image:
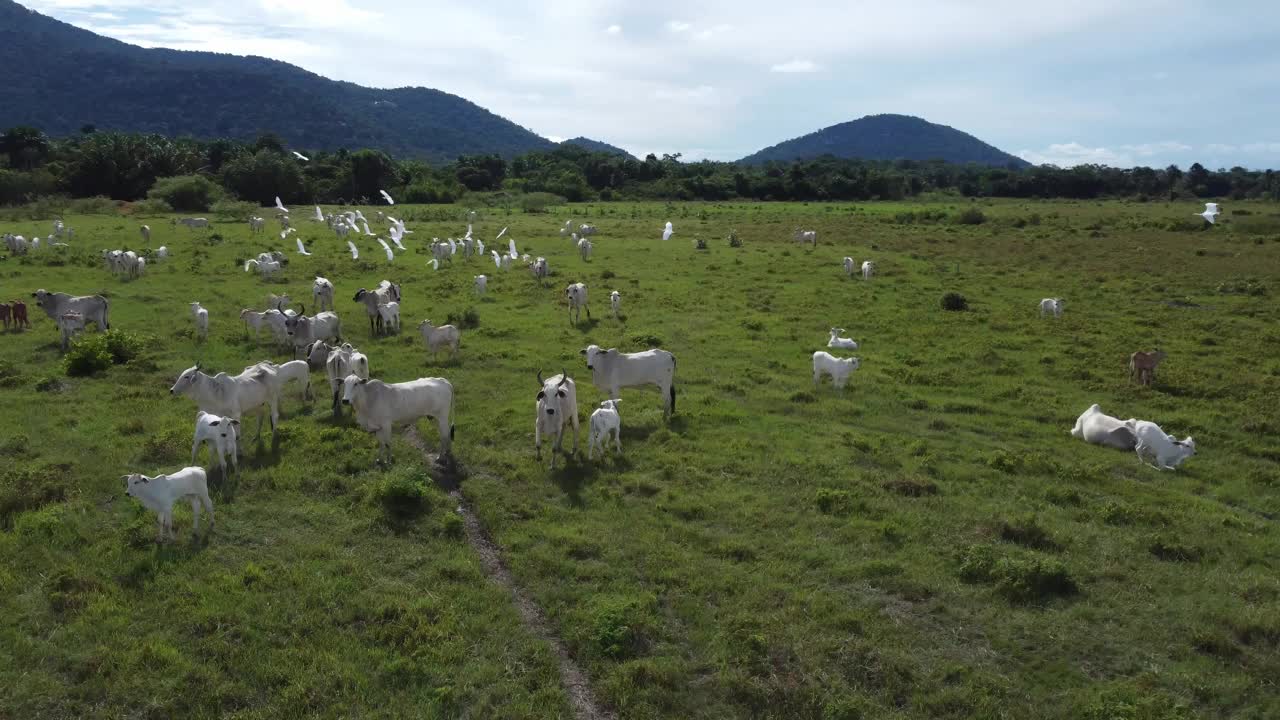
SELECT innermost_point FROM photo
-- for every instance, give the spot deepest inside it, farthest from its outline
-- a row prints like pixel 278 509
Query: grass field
pixel 929 542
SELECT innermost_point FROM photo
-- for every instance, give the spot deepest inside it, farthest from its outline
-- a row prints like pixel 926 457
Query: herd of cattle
pixel 222 400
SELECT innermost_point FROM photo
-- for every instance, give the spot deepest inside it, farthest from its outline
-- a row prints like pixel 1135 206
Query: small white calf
pixel 848 267
pixel 838 368
pixel 322 294
pixel 265 268
pixel 615 301
pixel 584 248
pixel 222 434
pixel 540 269
pixel 842 343
pixel 162 253
pixel 69 324
pixel 482 283
pixel 1094 426
pixel 1168 451
pixel 390 314
pixel 605 420
pixel 159 493
pixel 201 316
pixel 868 269
pixel 806 236
pixel 1051 306
pixel 379 407
pixel 146 234
pixel 577 296
pixel 438 338
pixel 317 353
pixel 555 407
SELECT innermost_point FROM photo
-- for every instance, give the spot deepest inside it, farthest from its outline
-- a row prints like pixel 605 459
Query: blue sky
pixel 1119 82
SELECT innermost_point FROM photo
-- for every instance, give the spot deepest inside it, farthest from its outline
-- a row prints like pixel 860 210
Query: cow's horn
pixel 539 377
pixel 564 377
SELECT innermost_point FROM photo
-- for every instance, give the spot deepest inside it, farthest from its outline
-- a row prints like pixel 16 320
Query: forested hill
pixel 889 137
pixel 598 146
pixel 60 78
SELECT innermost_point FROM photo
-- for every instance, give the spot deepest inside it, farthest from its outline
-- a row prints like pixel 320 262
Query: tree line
pixel 190 175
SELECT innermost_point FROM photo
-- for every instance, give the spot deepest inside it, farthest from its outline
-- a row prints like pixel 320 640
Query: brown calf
pixel 19 310
pixel 5 312
pixel 1142 366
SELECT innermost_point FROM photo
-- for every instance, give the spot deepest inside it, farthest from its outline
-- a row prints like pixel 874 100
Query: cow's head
pixel 359 294
pixel 135 484
pixel 552 393
pixel 592 351
pixel 41 296
pixel 350 387
pixel 185 380
pixel 291 322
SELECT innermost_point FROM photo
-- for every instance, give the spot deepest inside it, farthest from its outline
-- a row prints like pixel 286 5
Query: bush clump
pixel 402 496
pixel 465 320
pixel 833 502
pixel 151 207
pixel 970 216
pixel 1017 579
pixel 93 353
pixel 538 202
pixel 233 209
pixel 186 193
pixel 954 302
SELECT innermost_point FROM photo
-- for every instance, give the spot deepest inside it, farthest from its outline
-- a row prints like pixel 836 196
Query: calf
pixel 19 310
pixel 848 267
pixel 555 407
pixel 6 313
pixel 604 420
pixel 340 363
pixel 1142 366
pixel 1051 306
pixel 379 407
pixel 390 314
pixel 69 324
pixel 438 338
pixel 222 435
pixel 868 269
pixel 1167 451
pixel 317 353
pixel 322 294
pixel 615 301
pixel 482 283
pixel 201 317
pixel 842 343
pixel 540 269
pixel 577 295
pixel 584 249
pixel 838 368
pixel 159 493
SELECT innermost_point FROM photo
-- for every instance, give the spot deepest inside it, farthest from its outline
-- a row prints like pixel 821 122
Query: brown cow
pixel 19 310
pixel 5 314
pixel 1142 366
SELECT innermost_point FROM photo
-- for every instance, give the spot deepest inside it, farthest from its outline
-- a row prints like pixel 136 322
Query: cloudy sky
pixel 1120 82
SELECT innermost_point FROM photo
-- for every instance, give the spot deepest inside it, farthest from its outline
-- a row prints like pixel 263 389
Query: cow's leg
pixel 194 447
pixel 442 422
pixel 537 438
pixel 617 438
pixel 195 515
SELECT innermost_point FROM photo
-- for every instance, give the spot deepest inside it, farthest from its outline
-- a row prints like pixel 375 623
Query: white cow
pixel 615 300
pixel 69 324
pixel 806 236
pixel 1096 427
pixel 604 420
pixel 839 369
pixel 1051 306
pixel 438 338
pixel 222 394
pixel 145 230
pixel 379 407
pixel 611 371
pixel 842 343
pixel 92 307
pixel 540 268
pixel 222 435
pixel 868 269
pixel 162 253
pixel 390 314
pixel 1168 451
pixel 340 363
pixel 482 283
pixel 293 371
pixel 848 267
pixel 257 225
pixel 159 493
pixel 201 317
pixel 266 268
pixel 193 223
pixel 322 294
pixel 584 248
pixel 555 407
pixel 587 230
pixel 577 296
pixel 305 330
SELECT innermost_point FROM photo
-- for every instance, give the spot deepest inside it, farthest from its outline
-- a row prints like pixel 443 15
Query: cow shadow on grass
pixel 585 326
pixel 573 473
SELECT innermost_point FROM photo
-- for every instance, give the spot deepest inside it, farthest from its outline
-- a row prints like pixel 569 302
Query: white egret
pixel 667 232
pixel 301 157
pixel 319 215
pixel 511 247
pixel 355 253
pixel 302 250
pixel 387 197
pixel 504 232
pixel 390 253
pixel 1210 213
pixel 434 263
pixel 453 247
pixel 280 206
pixel 367 231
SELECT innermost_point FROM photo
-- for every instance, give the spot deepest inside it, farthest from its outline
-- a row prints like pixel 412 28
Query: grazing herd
pixel 223 400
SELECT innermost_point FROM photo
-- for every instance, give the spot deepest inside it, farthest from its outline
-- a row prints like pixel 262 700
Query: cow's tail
pixel 452 417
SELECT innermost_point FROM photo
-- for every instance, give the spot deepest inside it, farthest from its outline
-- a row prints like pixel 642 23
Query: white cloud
pixel 556 138
pixel 613 29
pixel 1073 153
pixel 795 66
pixel 677 26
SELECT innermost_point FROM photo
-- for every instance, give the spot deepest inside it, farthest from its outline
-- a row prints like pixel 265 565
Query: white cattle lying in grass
pixel 92 307
pixel 1051 306
pixel 439 338
pixel 201 317
pixel 379 407
pixel 1095 427
pixel 69 325
pixel 222 394
pixel 555 407
pixel 322 294
pixel 604 420
pixel 839 369
pixel 193 223
pixel 340 363
pixel 222 435
pixel 577 297
pixel 842 343
pixel 1168 451
pixel 159 493
pixel 611 371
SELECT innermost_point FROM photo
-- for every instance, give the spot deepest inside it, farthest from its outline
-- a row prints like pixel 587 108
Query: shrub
pixel 151 207
pixel 970 216
pixel 833 502
pixel 700 244
pixel 1172 551
pixel 49 383
pixel 402 496
pixel 1033 579
pixel 233 209
pixel 10 376
pixel 538 202
pixel 123 346
pixel 30 489
pixel 911 487
pixel 97 205
pixel 88 356
pixel 465 320
pixel 186 193
pixel 1026 531
pixel 954 302
pixel 734 240
pixel 617 627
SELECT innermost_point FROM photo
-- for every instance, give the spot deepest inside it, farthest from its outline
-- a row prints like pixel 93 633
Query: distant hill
pixel 59 78
pixel 889 137
pixel 597 146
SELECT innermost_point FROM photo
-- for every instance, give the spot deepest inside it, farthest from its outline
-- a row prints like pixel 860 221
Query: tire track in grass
pixel 572 678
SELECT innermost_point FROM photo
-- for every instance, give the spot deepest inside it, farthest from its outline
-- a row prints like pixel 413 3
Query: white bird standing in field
pixel 387 197
pixel 301 157
pixel 367 231
pixel 391 255
pixel 1210 212
pixel 280 206
pixel 319 215
pixel 355 252
pixel 434 263
pixel 511 248
pixel 453 247
pixel 667 232
pixel 302 250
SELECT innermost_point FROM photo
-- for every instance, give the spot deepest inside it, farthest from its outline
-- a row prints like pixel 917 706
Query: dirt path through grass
pixel 572 678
